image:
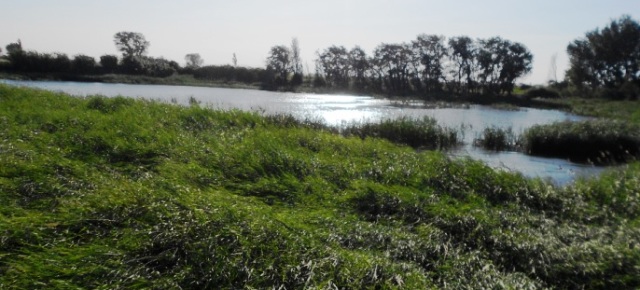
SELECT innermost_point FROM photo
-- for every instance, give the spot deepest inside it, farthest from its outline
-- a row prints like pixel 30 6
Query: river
pixel 338 110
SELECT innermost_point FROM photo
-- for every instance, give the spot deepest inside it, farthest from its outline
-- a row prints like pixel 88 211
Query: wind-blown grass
pixel 593 141
pixel 113 193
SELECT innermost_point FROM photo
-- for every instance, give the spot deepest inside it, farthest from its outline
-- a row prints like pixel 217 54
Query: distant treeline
pixel 604 63
pixel 428 65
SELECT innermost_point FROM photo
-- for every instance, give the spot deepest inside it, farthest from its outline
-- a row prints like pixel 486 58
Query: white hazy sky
pixel 217 29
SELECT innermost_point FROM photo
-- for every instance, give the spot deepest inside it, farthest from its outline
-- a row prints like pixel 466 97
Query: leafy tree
pixel 14 47
pixel 335 64
pixel 429 52
pixel 193 60
pixel 131 43
pixel 391 64
pixel 109 63
pixel 500 63
pixel 607 58
pixel 83 64
pixel 279 62
pixel 358 67
pixel 462 54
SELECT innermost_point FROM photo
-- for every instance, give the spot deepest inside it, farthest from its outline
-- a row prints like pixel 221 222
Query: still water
pixel 338 110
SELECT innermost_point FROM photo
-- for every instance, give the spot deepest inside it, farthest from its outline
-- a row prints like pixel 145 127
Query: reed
pixel 497 139
pixel 417 133
pixel 593 141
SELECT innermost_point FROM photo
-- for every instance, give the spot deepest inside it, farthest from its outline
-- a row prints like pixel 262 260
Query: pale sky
pixel 217 29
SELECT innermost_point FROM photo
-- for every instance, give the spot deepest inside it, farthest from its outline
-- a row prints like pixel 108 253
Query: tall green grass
pixel 593 141
pixel 417 133
pixel 114 193
pixel 497 139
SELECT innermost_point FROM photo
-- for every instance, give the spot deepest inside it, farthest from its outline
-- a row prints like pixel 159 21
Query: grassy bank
pixel 119 193
pixel 626 110
pixel 175 79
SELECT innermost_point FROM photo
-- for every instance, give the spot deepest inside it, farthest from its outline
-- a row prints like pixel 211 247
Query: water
pixel 338 110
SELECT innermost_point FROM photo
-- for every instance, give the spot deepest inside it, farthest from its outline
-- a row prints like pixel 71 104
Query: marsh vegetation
pixel 123 193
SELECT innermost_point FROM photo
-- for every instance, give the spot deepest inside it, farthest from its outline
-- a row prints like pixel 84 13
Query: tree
pixel 462 54
pixel 334 62
pixel 391 64
pixel 358 67
pixel 131 43
pixel 296 63
pixel 607 58
pixel 14 47
pixel 109 63
pixel 279 62
pixel 500 63
pixel 429 52
pixel 193 60
pixel 83 64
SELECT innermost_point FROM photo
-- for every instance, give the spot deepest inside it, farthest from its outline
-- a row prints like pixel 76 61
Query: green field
pixel 116 193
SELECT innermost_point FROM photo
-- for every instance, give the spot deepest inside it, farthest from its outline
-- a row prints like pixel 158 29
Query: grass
pixel 497 139
pixel 594 141
pixel 417 133
pixel 115 193
pixel 625 110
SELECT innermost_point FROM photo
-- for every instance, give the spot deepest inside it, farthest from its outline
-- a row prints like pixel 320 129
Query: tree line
pixel 430 64
pixel 133 61
pixel 606 62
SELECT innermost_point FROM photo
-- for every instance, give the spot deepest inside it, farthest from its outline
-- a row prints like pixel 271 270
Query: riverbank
pixel 123 193
pixel 173 80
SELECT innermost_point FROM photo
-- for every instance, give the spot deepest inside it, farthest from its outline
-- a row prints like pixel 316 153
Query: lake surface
pixel 339 110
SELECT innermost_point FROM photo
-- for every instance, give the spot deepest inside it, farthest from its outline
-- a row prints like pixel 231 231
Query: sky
pixel 249 28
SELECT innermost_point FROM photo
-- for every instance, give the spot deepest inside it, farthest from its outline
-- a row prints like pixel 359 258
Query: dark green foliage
pixel 109 63
pixel 229 73
pixel 594 141
pixel 83 64
pixel 34 62
pixel 116 193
